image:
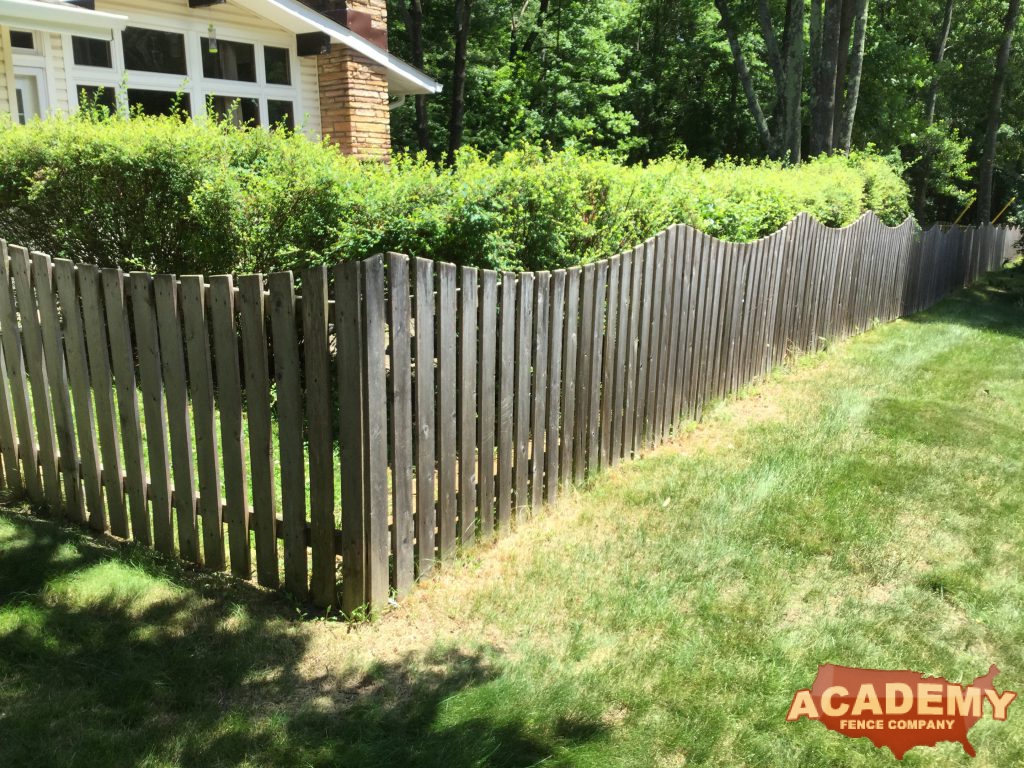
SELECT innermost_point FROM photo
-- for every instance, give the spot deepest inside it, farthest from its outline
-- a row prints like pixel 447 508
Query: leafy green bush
pixel 161 195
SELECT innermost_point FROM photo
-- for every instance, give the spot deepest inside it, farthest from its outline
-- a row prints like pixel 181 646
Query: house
pixel 321 66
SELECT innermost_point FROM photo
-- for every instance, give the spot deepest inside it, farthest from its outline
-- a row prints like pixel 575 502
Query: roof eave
pixel 403 78
pixel 60 18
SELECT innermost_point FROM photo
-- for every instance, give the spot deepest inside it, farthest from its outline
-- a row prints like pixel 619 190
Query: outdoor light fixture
pixel 211 41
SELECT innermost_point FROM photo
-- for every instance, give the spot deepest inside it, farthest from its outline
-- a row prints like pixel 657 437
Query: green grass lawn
pixel 864 507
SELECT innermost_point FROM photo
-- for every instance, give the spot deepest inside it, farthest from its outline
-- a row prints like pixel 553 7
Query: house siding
pixel 57 75
pixel 6 73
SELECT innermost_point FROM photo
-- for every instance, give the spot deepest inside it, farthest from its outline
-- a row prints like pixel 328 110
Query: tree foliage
pixel 649 78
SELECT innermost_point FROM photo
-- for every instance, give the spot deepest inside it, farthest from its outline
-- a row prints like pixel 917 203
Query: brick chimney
pixel 354 110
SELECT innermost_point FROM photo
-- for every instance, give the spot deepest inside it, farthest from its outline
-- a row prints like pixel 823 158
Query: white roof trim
pixel 403 78
pixel 58 17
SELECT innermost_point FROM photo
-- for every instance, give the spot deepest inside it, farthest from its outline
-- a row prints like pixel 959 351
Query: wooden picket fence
pixel 344 440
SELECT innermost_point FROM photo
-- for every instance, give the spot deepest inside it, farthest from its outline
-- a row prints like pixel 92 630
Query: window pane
pixel 280 112
pixel 231 61
pixel 159 102
pixel 278 61
pixel 25 40
pixel 149 50
pixel 236 110
pixel 89 95
pixel 90 52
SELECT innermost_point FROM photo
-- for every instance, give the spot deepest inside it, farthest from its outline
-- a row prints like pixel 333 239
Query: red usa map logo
pixel 899 709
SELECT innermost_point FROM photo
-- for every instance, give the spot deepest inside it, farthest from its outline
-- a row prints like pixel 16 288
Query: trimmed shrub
pixel 162 195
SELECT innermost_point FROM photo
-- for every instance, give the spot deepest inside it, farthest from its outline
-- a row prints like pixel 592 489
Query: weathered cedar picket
pixel 444 402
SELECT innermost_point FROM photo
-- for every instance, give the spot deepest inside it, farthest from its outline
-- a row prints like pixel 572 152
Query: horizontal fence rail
pixel 339 431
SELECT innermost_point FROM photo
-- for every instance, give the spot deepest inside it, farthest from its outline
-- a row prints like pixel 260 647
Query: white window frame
pixel 194 84
pixel 36 48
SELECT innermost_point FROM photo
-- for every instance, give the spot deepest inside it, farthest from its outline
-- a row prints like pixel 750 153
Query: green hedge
pixel 156 194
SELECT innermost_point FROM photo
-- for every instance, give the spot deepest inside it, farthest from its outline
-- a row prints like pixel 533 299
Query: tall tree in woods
pixel 780 130
pixel 823 95
pixel 849 72
pixel 986 168
pixel 412 14
pixel 930 103
pixel 455 124
pixel 838 37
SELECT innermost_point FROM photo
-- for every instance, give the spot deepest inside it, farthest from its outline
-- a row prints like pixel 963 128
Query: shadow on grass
pixel 995 303
pixel 110 655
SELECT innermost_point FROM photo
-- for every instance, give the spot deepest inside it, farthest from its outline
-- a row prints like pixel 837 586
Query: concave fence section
pixel 338 432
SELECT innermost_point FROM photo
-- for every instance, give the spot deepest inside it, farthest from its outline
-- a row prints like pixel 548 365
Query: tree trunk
pixel 771 45
pixel 793 55
pixel 462 12
pixel 937 59
pixel 847 18
pixel 988 160
pixel 414 27
pixel 921 197
pixel 763 131
pixel 815 52
pixel 849 114
pixel 824 103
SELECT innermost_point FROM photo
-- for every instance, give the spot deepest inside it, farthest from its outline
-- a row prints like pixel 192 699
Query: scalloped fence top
pixel 341 442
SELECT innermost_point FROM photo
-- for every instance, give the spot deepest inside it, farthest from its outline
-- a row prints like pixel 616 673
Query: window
pixel 28 87
pixel 159 102
pixel 229 61
pixel 150 50
pixel 90 52
pixel 278 64
pixel 89 95
pixel 280 113
pixel 181 68
pixel 235 110
pixel 24 40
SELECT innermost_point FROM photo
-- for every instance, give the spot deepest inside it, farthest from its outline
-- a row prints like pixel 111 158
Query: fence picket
pixel 229 406
pixel 570 349
pixel 351 404
pixel 524 358
pixel 487 351
pixel 252 325
pixel 556 327
pixel 172 358
pixel 597 341
pixel 403 523
pixel 153 405
pixel 123 363
pixel 506 401
pixel 584 370
pixel 32 346
pixel 625 273
pixel 56 373
pixel 375 436
pixel 317 395
pixel 538 436
pixel 200 376
pixel 446 411
pixel 608 357
pixel 403 526
pixel 426 504
pixel 466 421
pixel 289 430
pixel 14 367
